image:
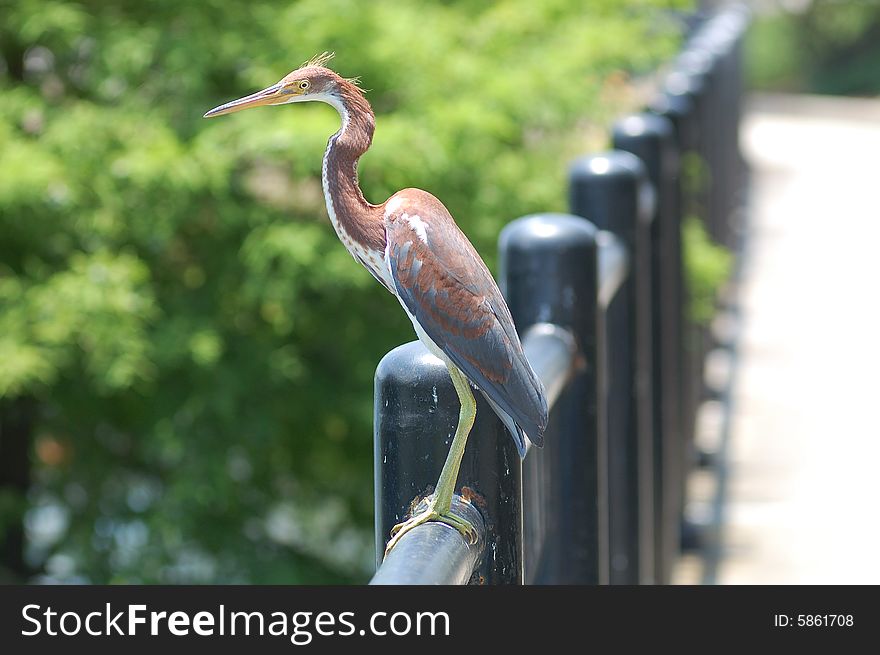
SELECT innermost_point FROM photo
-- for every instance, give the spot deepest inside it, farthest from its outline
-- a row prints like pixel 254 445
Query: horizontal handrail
pixel 613 266
pixel 435 553
pixel 550 350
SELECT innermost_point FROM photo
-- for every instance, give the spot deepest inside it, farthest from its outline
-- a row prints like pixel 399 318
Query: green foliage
pixel 707 264
pixel 95 308
pixel 824 46
pixel 200 345
pixel 708 267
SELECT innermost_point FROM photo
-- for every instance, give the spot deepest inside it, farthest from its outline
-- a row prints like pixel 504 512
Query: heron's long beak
pixel 264 97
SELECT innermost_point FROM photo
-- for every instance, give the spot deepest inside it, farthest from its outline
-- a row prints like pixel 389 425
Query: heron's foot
pixel 432 514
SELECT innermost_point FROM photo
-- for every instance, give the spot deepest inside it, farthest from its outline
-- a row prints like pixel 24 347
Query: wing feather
pixel 446 287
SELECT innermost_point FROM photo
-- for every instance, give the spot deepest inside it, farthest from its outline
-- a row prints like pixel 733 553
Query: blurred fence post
pixel 612 191
pixel 698 69
pixel 549 273
pixel 680 102
pixel 719 43
pixel 651 139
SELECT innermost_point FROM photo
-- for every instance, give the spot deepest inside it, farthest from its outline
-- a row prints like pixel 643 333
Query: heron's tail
pixel 516 430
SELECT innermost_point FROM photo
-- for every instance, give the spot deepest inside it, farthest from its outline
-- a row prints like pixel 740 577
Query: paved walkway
pixel 804 451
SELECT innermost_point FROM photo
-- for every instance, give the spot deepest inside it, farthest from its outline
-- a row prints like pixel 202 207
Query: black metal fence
pixel 600 298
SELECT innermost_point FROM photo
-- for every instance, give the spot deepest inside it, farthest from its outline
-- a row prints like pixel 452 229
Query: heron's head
pixel 311 81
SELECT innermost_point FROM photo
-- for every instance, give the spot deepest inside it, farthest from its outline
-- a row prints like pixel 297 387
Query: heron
pixel 411 244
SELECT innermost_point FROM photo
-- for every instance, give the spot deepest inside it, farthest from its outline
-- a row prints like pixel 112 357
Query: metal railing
pixel 600 298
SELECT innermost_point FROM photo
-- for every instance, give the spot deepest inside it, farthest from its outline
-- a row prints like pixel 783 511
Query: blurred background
pixel 186 351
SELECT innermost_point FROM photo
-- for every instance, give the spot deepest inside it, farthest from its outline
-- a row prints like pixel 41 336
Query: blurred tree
pixel 196 346
pixel 817 46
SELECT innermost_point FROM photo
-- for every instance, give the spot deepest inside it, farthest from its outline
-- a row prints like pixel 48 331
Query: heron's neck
pixel 353 217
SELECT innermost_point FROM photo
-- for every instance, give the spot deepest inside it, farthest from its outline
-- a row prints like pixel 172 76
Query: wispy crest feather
pixel 320 60
pixel 323 59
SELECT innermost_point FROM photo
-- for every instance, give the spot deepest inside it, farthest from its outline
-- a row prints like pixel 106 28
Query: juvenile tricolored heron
pixel 412 246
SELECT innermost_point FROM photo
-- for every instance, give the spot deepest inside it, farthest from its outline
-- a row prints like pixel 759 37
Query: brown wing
pixel 443 283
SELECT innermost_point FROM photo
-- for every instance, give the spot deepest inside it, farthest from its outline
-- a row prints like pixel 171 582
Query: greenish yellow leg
pixel 441 501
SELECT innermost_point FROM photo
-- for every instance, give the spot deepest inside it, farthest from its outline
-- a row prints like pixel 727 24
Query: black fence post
pixel 676 104
pixel 549 273
pixel 651 138
pixel 738 19
pixel 612 191
pixel 720 41
pixel 416 411
pixel 682 102
pixel 699 67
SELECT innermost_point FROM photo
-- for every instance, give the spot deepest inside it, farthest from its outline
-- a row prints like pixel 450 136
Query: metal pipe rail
pixel 435 553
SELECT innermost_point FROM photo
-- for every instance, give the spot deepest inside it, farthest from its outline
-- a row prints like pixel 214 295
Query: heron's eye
pixel 304 85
